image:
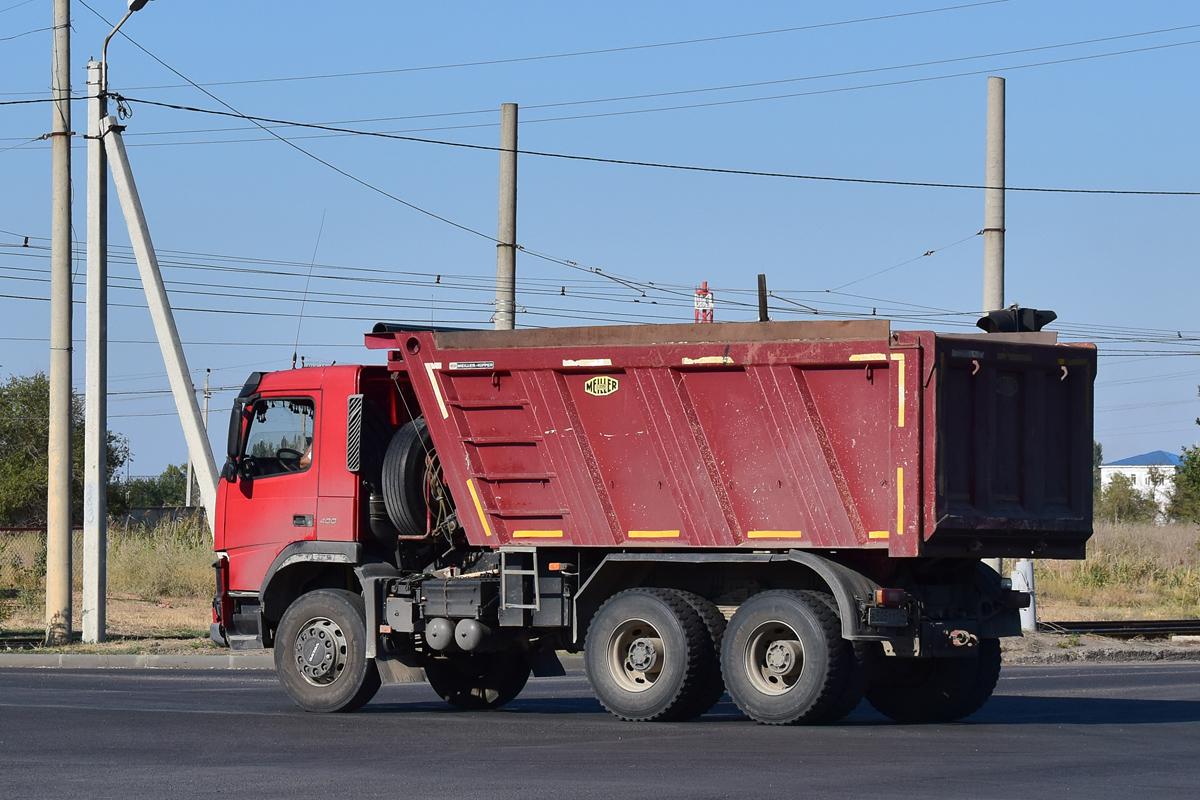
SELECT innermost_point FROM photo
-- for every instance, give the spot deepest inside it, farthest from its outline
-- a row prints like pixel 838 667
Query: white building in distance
pixel 1140 468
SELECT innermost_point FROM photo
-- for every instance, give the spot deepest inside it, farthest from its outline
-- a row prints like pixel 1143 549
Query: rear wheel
pixel 320 652
pixel 646 654
pixel 859 655
pixel 935 689
pixel 783 658
pixel 714 623
pixel 478 681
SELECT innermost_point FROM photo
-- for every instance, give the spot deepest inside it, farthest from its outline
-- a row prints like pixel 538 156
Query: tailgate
pixel 1013 448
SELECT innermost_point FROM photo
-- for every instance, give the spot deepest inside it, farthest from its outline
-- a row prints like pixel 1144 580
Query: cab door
pixel 274 501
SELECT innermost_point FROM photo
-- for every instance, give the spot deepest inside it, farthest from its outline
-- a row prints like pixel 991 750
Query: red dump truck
pixel 791 512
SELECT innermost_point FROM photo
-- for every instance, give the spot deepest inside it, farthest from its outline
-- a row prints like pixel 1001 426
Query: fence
pixel 23 567
pixel 148 540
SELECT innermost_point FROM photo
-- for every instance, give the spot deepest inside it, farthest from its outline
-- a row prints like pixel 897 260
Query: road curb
pixel 101 661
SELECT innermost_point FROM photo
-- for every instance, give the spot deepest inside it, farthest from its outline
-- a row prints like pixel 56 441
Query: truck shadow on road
pixel 998 711
pixel 1004 710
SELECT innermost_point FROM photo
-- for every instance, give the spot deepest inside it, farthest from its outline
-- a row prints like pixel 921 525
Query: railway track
pixel 1126 628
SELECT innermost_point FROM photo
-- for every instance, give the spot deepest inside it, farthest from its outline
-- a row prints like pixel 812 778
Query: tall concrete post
pixel 993 200
pixel 164 321
pixel 506 248
pixel 58 479
pixel 1022 580
pixel 187 494
pixel 993 214
pixel 95 456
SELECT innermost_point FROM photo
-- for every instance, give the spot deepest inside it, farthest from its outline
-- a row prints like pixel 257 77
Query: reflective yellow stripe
pixel 708 360
pixel 868 357
pixel 899 359
pixel 654 534
pixel 879 534
pixel 437 390
pixel 537 534
pixel 773 534
pixel 487 529
pixel 899 501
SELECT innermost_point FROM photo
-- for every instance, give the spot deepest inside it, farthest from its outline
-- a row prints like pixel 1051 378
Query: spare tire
pixel 404 468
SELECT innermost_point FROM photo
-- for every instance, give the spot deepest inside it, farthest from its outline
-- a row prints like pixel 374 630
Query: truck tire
pixel 917 690
pixel 861 657
pixel 478 681
pixel 404 478
pixel 784 658
pixel 320 652
pixel 714 623
pixel 645 656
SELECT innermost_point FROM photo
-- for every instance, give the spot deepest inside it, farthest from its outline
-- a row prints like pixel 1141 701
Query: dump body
pixel 485 499
pixel 829 435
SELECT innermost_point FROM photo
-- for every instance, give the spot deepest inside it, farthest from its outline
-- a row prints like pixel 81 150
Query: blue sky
pixel 235 212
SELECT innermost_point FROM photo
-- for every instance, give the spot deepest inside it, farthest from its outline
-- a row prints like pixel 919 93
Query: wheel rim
pixel 320 651
pixel 635 655
pixel 774 658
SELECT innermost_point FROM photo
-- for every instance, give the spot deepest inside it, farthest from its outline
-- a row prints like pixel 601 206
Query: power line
pixel 623 98
pixel 575 54
pixel 26 33
pixel 867 71
pixel 293 144
pixel 649 164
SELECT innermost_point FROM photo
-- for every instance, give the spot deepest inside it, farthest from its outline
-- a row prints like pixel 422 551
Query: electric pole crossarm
pixel 164 321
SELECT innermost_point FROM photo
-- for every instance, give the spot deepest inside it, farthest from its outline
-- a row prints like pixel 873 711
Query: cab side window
pixel 280 437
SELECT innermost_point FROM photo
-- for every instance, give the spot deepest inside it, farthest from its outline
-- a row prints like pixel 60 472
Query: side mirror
pixel 233 443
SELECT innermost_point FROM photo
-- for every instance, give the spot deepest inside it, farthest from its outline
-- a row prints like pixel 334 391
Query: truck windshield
pixel 280 438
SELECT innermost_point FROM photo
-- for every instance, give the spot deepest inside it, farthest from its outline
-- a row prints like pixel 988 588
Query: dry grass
pixel 133 625
pixel 170 560
pixel 160 581
pixel 1132 572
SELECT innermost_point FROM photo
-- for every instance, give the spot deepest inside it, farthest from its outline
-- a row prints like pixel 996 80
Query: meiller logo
pixel 600 385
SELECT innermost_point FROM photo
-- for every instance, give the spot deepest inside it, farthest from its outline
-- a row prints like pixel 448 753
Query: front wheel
pixel 320 652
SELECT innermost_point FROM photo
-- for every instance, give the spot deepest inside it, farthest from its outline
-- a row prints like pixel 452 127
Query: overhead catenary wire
pixel 580 53
pixel 652 164
pixel 674 296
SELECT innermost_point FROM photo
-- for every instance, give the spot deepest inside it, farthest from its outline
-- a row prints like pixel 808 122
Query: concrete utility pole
pixel 187 499
pixel 993 216
pixel 1022 581
pixel 58 479
pixel 993 200
pixel 506 248
pixel 182 388
pixel 95 457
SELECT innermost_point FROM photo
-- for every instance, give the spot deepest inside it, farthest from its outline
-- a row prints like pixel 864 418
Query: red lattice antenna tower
pixel 704 303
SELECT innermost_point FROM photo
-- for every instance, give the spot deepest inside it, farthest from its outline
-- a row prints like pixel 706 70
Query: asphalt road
pixel 1089 731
